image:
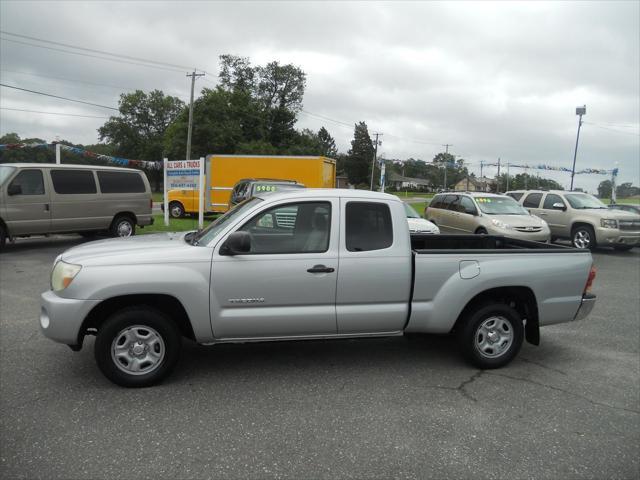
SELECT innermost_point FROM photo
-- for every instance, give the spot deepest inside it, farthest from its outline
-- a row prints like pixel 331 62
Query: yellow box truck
pixel 224 171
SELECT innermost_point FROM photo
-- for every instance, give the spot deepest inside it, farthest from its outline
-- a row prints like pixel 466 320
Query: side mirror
pixel 14 189
pixel 559 206
pixel 470 211
pixel 236 244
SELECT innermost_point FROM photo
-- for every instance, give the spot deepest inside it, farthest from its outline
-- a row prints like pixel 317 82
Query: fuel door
pixel 469 269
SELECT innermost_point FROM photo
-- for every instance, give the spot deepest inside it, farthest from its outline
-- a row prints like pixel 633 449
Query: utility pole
pixel 484 189
pixel 375 157
pixel 193 76
pixel 579 111
pixel 446 150
pixel 498 178
pixel 507 177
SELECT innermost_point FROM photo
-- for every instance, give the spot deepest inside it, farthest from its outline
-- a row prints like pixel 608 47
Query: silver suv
pixel 582 218
pixel 482 213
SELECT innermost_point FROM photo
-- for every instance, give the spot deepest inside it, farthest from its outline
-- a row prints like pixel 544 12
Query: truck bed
pixel 425 243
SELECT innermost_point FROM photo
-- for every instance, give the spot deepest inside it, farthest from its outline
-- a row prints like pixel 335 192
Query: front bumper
pixel 542 236
pixel 587 304
pixel 614 236
pixel 61 318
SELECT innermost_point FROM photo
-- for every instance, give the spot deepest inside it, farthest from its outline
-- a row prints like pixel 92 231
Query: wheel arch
pixel 125 213
pixel 521 298
pixel 165 303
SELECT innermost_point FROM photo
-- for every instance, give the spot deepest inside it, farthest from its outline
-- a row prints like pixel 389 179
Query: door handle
pixel 46 207
pixel 320 269
pixel 542 213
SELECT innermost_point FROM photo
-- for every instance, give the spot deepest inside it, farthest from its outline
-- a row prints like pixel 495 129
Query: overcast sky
pixel 493 79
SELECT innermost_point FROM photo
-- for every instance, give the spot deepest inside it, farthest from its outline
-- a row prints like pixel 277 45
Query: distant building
pixel 472 184
pixel 342 182
pixel 407 183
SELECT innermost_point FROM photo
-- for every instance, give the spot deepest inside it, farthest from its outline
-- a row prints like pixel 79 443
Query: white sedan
pixel 417 224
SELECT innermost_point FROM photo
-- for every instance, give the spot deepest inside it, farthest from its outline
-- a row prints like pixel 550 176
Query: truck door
pixel 374 280
pixel 286 285
pixel 28 206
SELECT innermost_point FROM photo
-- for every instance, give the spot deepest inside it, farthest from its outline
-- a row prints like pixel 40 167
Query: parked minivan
pixel 42 198
pixel 485 213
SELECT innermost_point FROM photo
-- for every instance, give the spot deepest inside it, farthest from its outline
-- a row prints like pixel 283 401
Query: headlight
pixel 500 224
pixel 63 274
pixel 608 223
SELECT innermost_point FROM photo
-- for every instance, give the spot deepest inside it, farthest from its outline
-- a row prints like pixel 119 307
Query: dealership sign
pixel 184 175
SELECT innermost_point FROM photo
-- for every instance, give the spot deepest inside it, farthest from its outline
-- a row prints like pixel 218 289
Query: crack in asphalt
pixel 462 387
pixel 558 389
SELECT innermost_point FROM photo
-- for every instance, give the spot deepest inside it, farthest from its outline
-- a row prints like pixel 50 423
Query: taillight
pixel 590 279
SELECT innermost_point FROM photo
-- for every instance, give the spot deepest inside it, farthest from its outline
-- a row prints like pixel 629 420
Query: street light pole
pixel 579 111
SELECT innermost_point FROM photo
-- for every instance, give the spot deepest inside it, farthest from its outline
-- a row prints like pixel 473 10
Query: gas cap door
pixel 469 269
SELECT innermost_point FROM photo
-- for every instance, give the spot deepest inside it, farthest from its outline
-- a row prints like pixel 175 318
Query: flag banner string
pixel 598 171
pixel 125 162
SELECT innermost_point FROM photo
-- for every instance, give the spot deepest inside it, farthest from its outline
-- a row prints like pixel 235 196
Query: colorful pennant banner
pixel 86 153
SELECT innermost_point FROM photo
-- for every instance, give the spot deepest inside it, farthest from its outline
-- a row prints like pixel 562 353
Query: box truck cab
pixel 223 172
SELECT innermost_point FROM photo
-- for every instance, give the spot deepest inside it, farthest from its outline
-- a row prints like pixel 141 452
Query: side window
pixel 30 182
pixel 291 228
pixel 454 205
pixel 550 200
pixel 532 200
pixel 368 226
pixel 467 206
pixel 448 200
pixel 515 195
pixel 69 182
pixel 436 201
pixel 120 182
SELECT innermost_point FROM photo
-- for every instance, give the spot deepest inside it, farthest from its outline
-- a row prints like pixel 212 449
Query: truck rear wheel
pixel 137 347
pixel 176 209
pixel 491 335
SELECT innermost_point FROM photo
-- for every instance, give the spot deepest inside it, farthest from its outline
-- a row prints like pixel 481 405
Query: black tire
pixel 481 231
pixel 3 236
pixel 583 236
pixel 475 340
pixel 123 226
pixel 153 367
pixel 176 209
pixel 623 248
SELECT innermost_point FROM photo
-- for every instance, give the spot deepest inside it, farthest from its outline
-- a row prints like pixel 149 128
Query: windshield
pixel 409 210
pixel 209 233
pixel 581 201
pixel 5 172
pixel 500 206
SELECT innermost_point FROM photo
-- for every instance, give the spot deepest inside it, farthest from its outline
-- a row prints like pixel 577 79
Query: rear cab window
pixel 368 226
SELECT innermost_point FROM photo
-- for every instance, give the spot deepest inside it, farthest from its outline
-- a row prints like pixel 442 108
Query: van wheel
pixel 123 226
pixel 176 209
pixel 583 236
pixel 481 231
pixel 491 335
pixel 137 347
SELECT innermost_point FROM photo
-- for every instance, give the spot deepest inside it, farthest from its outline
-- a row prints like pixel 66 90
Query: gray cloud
pixel 494 79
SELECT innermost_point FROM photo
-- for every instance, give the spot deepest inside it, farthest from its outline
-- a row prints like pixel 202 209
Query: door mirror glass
pixel 559 206
pixel 14 189
pixel 237 244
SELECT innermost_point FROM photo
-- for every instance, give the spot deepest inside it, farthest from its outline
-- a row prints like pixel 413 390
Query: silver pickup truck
pixel 308 264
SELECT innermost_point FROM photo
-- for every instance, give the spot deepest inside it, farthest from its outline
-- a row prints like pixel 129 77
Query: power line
pixel 68 79
pixel 92 56
pixel 612 129
pixel 51 113
pixel 92 50
pixel 56 96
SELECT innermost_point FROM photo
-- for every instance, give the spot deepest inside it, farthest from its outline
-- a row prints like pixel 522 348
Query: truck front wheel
pixel 176 210
pixel 137 347
pixel 491 335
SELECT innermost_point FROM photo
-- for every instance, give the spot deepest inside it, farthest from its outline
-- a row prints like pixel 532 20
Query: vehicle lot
pixel 362 408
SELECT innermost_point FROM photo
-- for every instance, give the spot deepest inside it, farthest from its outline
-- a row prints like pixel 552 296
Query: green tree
pixel 327 143
pixel 627 190
pixel 358 162
pixel 138 131
pixel 604 189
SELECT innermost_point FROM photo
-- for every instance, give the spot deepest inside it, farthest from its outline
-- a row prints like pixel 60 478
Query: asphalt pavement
pixel 397 407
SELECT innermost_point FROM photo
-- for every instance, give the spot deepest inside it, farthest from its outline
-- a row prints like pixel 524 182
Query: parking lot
pixel 379 408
